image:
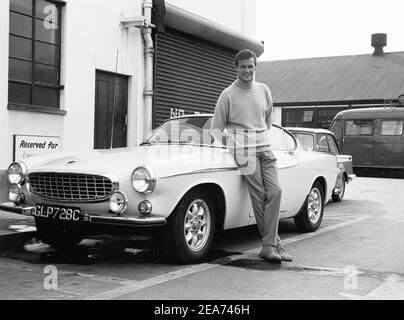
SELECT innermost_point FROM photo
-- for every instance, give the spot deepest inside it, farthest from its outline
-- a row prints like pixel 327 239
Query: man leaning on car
pixel 243 114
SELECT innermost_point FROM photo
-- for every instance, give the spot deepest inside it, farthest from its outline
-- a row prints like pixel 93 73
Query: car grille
pixel 70 187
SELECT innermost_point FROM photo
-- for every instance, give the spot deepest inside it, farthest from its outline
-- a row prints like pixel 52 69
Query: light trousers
pixel 260 171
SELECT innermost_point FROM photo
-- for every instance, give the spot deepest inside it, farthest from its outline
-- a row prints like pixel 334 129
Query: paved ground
pixel 356 254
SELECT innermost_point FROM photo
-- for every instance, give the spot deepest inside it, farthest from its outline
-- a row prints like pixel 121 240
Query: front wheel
pixel 190 231
pixel 310 218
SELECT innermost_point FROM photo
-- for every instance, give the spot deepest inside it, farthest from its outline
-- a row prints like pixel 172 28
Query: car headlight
pixel 144 180
pixel 15 194
pixel 17 172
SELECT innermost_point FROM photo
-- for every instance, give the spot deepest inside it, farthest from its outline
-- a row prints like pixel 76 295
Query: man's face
pixel 246 70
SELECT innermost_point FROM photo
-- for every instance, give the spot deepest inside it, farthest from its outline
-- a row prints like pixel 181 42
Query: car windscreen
pixel 192 130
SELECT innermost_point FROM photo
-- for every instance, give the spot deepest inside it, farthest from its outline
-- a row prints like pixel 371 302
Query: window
pixel 308 116
pixel 333 144
pixel 306 140
pixel 34 54
pixel 322 145
pixel 358 127
pixel 391 128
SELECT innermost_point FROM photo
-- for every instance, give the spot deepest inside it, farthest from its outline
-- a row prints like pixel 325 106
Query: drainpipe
pixel 149 55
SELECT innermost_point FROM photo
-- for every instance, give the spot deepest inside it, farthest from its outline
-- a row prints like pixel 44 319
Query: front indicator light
pixel 118 202
pixel 145 207
pixel 15 194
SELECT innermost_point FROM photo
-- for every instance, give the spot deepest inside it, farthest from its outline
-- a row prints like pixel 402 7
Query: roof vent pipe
pixel 379 40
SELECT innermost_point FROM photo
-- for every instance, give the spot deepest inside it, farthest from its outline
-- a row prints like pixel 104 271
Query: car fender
pixel 172 189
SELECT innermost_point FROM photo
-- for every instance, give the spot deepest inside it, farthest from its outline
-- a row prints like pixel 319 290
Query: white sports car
pixel 178 186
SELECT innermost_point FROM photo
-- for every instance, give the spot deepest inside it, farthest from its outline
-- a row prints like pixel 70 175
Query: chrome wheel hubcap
pixel 197 225
pixel 314 205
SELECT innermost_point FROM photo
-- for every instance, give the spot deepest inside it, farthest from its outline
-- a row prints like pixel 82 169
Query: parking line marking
pixel 133 287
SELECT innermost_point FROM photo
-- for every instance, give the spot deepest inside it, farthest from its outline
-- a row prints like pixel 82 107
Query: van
pixel 373 136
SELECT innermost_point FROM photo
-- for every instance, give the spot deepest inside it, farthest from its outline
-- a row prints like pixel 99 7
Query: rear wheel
pixel 338 196
pixel 58 235
pixel 310 218
pixel 189 234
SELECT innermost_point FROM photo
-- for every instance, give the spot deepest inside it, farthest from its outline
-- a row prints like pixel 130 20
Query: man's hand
pixel 219 135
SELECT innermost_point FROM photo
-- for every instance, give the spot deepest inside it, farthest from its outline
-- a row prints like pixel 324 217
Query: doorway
pixel 111 110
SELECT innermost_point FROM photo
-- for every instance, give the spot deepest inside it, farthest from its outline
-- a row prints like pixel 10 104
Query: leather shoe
pixel 269 253
pixel 284 255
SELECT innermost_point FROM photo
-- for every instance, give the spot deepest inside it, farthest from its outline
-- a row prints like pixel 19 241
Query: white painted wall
pixel 277 116
pixel 97 41
pixel 92 36
pixel 92 39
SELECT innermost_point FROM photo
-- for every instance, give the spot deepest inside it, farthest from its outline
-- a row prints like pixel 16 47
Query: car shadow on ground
pixel 120 251
pixel 90 252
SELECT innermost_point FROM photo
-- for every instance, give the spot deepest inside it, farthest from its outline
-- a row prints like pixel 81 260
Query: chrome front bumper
pixel 117 221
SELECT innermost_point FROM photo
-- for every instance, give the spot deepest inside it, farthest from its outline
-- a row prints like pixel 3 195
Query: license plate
pixel 58 213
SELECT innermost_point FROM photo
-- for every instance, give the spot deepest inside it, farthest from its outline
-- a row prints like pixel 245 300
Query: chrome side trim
pixel 199 172
pixel 129 222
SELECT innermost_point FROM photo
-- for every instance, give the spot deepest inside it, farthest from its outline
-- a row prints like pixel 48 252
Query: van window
pixel 358 127
pixel 391 128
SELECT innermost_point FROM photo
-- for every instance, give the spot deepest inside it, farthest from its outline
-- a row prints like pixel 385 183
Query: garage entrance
pixel 190 74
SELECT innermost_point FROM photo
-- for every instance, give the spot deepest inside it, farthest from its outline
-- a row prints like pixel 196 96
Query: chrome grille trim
pixel 70 187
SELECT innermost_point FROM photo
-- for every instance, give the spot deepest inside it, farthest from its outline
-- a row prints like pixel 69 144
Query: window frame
pixel 391 120
pixel 33 82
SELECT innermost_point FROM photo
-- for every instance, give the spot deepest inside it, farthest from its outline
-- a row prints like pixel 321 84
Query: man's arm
pixel 269 114
pixel 220 118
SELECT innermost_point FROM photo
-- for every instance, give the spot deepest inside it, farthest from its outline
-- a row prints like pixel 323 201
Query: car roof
pixel 371 113
pixel 308 130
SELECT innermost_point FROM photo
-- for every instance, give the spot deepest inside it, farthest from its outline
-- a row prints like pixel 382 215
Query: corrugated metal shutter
pixel 190 74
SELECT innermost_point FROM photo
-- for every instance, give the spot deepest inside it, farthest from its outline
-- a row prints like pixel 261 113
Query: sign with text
pixel 26 146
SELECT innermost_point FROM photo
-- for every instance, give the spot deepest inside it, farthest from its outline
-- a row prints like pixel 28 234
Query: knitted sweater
pixel 246 114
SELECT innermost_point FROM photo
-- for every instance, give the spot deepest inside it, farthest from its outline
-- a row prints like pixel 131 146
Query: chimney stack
pixel 379 40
